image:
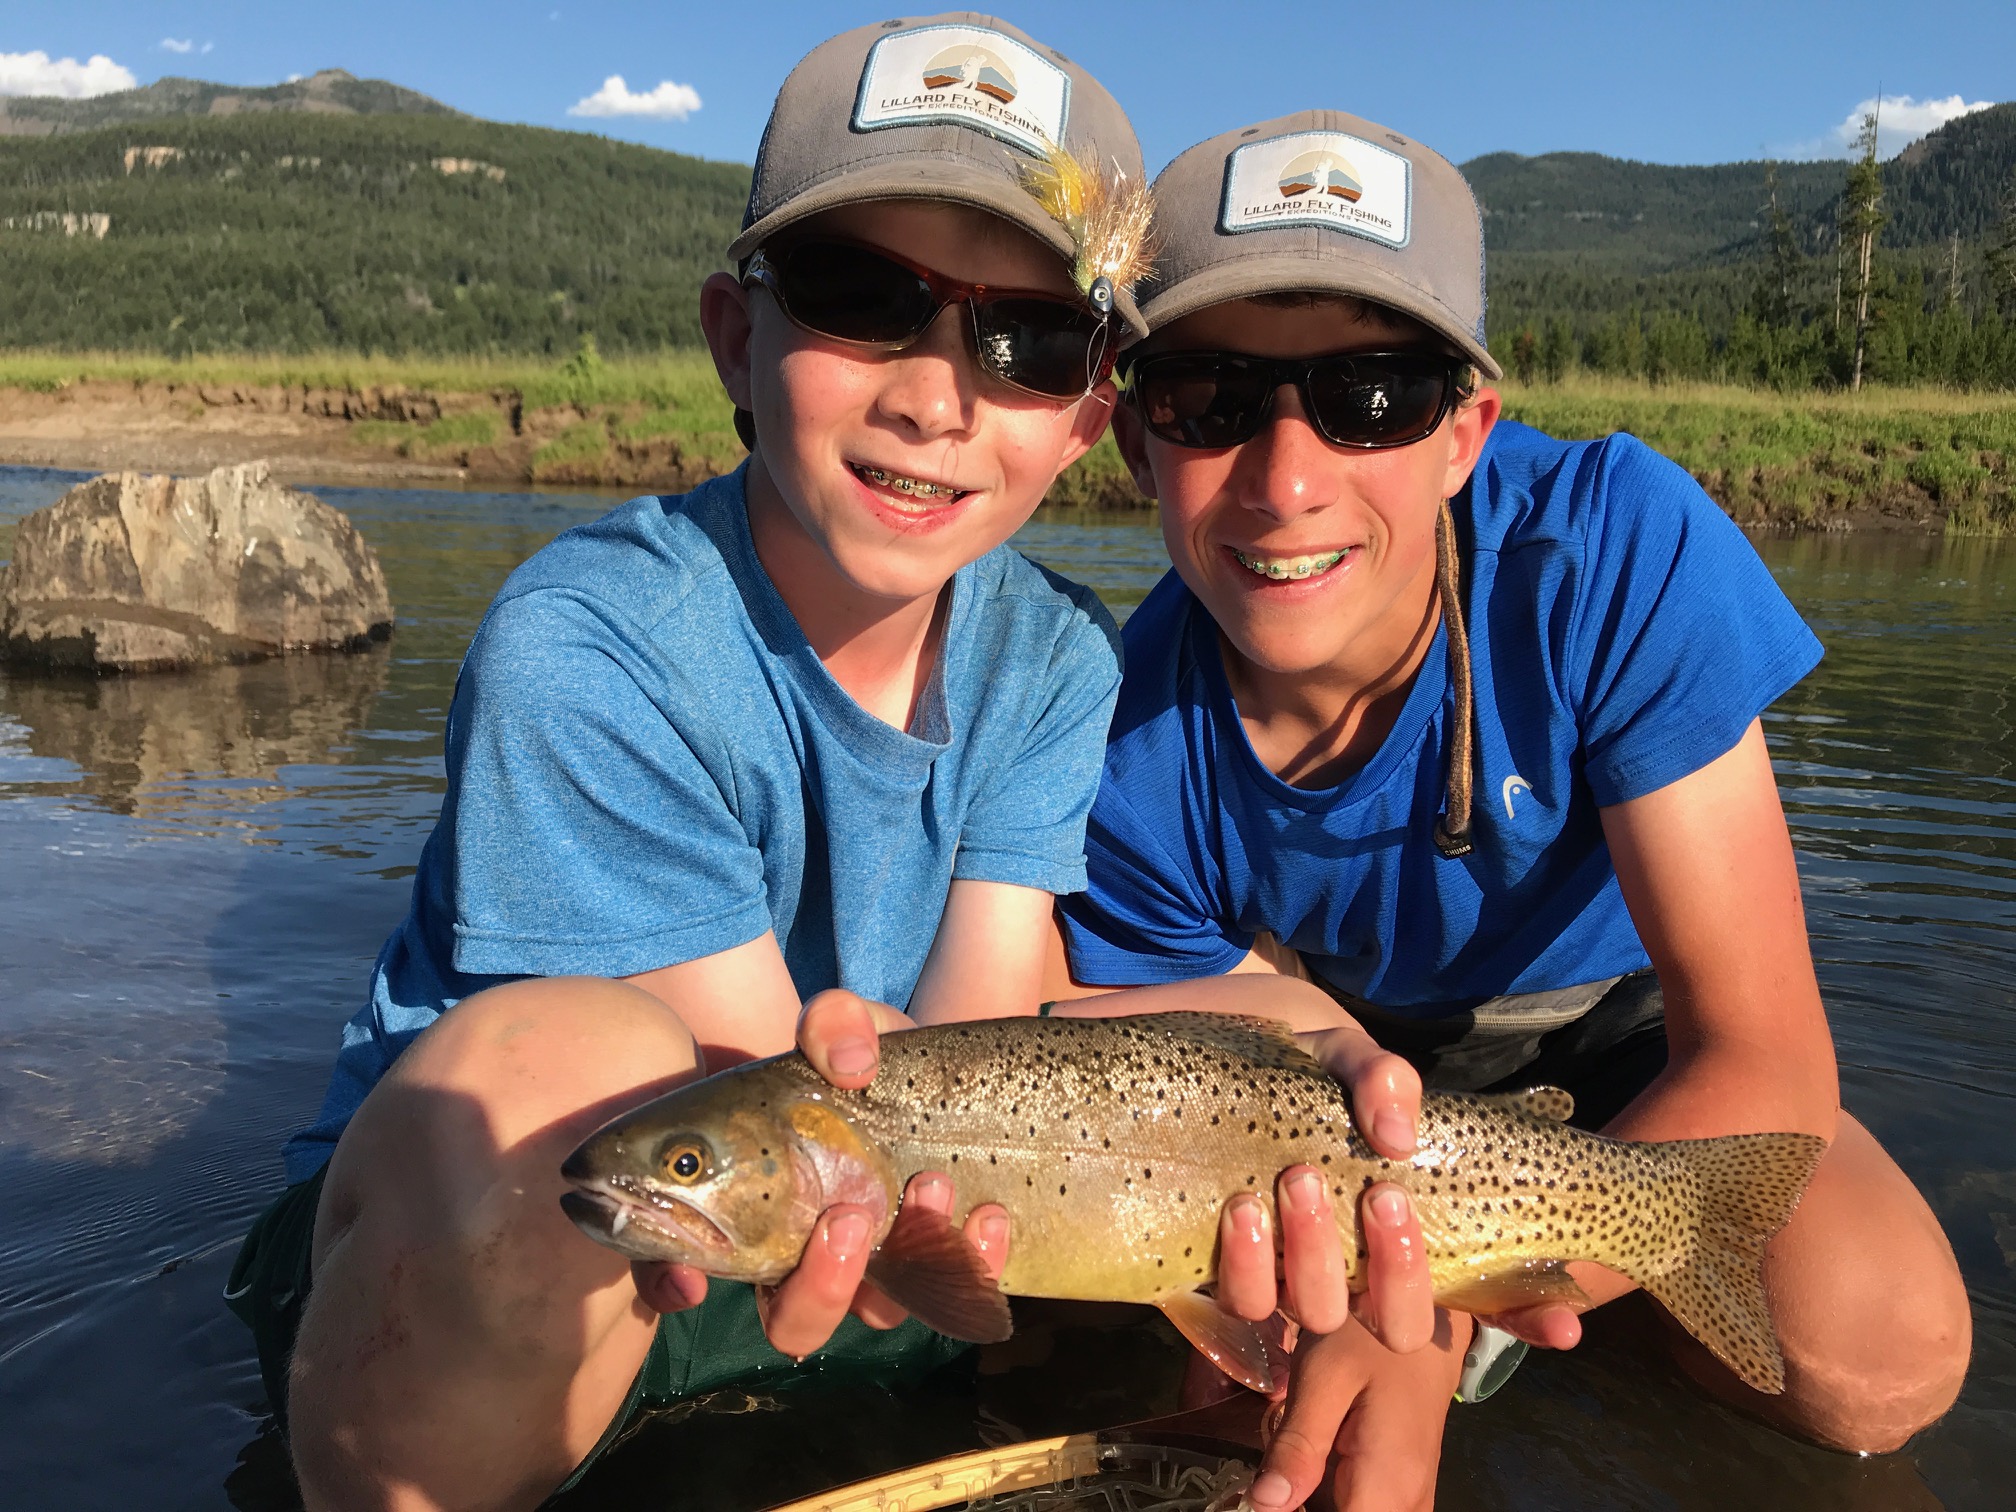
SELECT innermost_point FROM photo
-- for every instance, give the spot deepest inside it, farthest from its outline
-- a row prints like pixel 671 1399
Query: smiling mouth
pixel 908 492
pixel 1290 568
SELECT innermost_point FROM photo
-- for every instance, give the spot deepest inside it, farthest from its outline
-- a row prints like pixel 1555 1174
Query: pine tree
pixel 2002 254
pixel 1861 218
pixel 1783 266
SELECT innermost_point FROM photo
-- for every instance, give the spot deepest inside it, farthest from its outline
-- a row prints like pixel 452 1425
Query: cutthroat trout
pixel 1114 1143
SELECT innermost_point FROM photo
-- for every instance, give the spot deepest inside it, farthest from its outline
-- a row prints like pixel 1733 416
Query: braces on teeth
pixel 910 486
pixel 1298 567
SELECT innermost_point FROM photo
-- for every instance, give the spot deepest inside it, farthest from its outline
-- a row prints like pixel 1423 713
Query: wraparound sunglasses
pixel 1041 343
pixel 1366 400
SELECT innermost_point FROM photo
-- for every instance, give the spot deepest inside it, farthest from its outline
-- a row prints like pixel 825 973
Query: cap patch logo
pixel 974 67
pixel 967 75
pixel 1319 178
pixel 1321 173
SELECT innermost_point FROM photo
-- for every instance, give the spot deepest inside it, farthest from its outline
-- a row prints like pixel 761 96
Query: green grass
pixel 1768 457
pixel 672 380
pixel 1805 459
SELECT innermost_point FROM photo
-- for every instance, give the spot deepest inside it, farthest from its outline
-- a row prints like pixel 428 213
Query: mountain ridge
pixel 331 91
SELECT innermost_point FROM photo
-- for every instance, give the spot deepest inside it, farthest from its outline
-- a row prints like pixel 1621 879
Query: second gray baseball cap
pixel 952 107
pixel 1321 202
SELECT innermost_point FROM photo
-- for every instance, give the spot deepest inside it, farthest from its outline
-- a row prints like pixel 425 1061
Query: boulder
pixel 136 573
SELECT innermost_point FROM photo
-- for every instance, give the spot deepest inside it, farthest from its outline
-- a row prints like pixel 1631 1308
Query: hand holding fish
pixel 838 1033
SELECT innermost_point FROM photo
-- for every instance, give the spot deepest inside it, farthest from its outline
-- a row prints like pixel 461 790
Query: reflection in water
pixel 203 746
pixel 170 998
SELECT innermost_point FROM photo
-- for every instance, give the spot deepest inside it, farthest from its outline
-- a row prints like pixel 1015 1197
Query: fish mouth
pixel 642 1222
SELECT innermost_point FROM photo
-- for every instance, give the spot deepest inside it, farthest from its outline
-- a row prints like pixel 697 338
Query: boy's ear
pixel 1467 435
pixel 1088 422
pixel 726 324
pixel 1132 439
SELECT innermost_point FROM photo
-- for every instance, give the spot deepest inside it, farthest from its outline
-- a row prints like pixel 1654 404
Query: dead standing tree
pixel 1861 218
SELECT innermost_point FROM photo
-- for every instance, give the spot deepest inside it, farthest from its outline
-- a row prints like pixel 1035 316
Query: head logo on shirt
pixel 1514 784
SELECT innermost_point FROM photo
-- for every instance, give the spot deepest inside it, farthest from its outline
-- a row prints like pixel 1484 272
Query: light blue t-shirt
pixel 1623 634
pixel 647 763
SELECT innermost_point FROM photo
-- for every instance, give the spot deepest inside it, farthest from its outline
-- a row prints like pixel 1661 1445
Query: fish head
pixel 728 1175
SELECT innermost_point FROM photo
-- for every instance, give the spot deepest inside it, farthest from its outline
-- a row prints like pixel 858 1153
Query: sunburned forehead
pixel 1295 323
pixel 957 240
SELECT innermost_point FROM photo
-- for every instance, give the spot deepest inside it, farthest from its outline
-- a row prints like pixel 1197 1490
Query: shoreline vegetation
pixel 1885 458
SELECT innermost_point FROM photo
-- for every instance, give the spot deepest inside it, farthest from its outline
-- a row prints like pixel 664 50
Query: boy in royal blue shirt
pixel 1462 723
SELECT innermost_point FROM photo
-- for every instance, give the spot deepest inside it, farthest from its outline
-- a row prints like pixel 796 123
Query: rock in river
pixel 133 573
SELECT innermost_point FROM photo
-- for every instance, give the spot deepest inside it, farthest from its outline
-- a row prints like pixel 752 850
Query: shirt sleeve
pixel 1028 825
pixel 586 832
pixel 1146 914
pixel 1680 637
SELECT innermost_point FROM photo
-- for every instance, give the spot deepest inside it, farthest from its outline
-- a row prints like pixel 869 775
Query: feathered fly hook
pixel 1108 217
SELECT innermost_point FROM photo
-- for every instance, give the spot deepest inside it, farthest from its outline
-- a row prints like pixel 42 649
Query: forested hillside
pixel 1621 260
pixel 397 233
pixel 353 215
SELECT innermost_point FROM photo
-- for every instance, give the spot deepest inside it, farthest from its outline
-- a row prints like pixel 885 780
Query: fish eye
pixel 685 1161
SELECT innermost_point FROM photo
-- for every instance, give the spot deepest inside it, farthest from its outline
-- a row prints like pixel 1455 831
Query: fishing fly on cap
pixel 1108 217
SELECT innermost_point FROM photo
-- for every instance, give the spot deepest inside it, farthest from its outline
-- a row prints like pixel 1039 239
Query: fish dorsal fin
pixel 927 1267
pixel 1231 1343
pixel 1550 1103
pixel 1265 1041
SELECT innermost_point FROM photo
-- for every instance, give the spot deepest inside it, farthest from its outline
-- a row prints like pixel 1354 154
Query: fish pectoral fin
pixel 926 1266
pixel 1539 1284
pixel 1535 1102
pixel 1231 1343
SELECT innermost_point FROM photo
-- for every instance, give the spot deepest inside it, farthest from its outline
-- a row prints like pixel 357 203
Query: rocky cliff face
pixel 131 572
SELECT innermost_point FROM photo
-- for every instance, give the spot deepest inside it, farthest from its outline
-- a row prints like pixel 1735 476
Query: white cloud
pixel 1901 121
pixel 36 73
pixel 668 102
pixel 169 44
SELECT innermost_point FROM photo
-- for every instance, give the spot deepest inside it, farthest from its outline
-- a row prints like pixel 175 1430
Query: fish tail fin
pixel 1748 1186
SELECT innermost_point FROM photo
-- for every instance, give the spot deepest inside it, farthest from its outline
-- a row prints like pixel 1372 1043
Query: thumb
pixel 839 1033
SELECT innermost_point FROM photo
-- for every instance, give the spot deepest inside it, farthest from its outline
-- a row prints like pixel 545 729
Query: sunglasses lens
pixel 1205 401
pixel 852 294
pixel 1044 345
pixel 1388 400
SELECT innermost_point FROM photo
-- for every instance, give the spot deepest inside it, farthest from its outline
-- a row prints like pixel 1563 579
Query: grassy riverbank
pixel 1922 458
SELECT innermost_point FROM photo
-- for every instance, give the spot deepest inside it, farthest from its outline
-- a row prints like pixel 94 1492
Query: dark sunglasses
pixel 1043 344
pixel 1366 400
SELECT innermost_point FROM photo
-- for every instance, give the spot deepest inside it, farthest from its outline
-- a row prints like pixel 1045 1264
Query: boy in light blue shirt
pixel 811 726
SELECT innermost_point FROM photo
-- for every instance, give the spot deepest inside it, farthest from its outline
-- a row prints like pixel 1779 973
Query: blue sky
pixel 1713 81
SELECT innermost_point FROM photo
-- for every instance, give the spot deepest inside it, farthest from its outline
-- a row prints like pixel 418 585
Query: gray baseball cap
pixel 1321 202
pixel 946 108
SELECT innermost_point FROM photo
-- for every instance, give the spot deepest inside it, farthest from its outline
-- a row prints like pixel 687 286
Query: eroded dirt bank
pixel 377 436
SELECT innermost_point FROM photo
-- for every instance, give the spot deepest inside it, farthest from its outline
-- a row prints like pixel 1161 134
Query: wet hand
pixel 1393 1302
pixel 1365 1419
pixel 839 1033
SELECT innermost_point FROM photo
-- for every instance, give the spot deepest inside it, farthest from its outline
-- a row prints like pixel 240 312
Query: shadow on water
pixel 200 869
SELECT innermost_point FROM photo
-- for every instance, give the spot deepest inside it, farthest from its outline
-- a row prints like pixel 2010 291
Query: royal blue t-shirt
pixel 647 764
pixel 1624 634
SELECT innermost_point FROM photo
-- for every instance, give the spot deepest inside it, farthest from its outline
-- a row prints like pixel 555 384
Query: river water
pixel 196 871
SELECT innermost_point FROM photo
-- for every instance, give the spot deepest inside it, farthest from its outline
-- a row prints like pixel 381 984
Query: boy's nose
pixel 930 386
pixel 1289 469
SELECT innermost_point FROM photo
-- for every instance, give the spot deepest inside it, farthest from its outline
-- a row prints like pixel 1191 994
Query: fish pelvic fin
pixel 1231 1343
pixel 926 1266
pixel 1749 1185
pixel 1534 1284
